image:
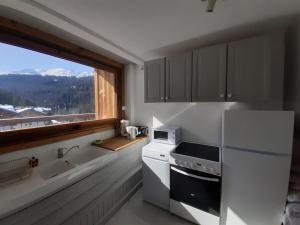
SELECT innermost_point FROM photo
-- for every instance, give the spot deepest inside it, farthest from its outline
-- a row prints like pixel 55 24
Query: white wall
pixel 200 122
pixel 130 84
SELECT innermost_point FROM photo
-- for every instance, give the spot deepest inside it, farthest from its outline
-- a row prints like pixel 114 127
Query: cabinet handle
pixel 167 98
pixel 221 95
pixel 229 95
pixel 162 98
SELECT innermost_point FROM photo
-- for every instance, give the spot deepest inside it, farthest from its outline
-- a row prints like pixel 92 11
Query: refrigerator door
pixel 266 131
pixel 254 188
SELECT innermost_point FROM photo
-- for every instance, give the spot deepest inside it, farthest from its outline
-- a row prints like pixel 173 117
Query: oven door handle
pixel 195 176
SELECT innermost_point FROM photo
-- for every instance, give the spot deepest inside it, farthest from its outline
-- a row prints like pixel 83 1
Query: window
pixel 55 91
pixel 38 90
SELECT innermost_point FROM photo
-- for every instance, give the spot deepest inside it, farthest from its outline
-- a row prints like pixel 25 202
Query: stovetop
pixel 207 152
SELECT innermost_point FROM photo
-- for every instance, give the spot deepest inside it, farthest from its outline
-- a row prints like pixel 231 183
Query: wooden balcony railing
pixel 29 122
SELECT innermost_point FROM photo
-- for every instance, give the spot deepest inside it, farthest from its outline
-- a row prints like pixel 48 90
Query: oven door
pixel 197 189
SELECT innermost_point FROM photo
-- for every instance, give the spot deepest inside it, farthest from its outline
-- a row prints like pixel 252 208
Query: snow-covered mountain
pixel 64 72
pixel 59 72
pixel 23 109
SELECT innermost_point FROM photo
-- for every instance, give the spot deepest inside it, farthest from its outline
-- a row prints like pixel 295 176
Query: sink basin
pixel 55 168
pixel 85 156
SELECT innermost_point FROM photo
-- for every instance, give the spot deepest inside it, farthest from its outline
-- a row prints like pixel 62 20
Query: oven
pixel 195 195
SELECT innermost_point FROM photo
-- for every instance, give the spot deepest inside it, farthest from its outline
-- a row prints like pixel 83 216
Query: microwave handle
pixel 195 176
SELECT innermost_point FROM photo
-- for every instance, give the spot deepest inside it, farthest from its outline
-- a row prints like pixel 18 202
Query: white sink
pixel 85 156
pixel 55 168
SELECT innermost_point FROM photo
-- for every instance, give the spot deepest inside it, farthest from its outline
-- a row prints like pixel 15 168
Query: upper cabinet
pixel 255 69
pixel 249 70
pixel 178 78
pixel 209 74
pixel 155 81
pixel 248 74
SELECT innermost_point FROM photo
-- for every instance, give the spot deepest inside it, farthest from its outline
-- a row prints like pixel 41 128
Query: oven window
pixel 197 189
pixel 161 135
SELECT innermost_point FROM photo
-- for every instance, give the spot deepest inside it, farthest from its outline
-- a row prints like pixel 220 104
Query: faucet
pixel 60 151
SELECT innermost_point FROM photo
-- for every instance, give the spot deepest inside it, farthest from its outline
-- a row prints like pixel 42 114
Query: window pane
pixel 38 90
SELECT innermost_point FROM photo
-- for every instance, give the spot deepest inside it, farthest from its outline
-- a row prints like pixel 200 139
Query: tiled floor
pixel 138 212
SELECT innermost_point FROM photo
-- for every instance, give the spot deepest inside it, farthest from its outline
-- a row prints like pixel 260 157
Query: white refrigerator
pixel 256 158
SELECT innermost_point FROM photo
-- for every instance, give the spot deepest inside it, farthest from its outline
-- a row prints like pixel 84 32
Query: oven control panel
pixel 193 163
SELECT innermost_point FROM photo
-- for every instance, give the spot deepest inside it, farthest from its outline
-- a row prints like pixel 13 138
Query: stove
pixel 198 157
pixel 195 183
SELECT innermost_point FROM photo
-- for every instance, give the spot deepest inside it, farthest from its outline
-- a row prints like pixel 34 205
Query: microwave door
pixel 161 135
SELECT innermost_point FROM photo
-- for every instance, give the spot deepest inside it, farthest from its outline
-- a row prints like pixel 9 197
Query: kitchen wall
pixel 200 122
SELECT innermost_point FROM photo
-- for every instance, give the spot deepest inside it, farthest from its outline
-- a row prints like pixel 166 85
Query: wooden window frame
pixel 21 35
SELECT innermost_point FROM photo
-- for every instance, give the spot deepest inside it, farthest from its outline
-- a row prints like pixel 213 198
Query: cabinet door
pixel 155 80
pixel 178 78
pixel 209 73
pixel 249 76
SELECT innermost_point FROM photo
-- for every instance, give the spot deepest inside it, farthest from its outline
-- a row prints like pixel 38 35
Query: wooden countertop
pixel 119 142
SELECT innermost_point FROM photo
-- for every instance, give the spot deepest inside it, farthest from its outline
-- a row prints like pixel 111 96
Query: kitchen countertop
pixel 119 142
pixel 23 193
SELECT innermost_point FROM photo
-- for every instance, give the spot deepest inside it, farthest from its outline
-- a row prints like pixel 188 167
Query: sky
pixel 15 58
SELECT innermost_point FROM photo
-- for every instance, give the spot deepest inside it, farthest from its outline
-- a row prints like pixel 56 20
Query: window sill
pixel 27 138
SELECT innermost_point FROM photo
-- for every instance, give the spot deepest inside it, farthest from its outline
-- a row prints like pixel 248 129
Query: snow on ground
pixel 42 109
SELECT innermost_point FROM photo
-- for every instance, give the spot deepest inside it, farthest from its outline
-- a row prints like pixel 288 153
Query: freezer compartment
pixel 266 131
pixel 254 188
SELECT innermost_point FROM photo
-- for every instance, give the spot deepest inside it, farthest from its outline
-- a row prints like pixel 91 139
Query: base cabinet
pixel 92 200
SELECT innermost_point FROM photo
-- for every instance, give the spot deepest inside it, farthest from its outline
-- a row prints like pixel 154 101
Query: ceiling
pixel 143 27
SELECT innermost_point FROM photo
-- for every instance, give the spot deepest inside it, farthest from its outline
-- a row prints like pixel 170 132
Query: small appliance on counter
pixel 124 124
pixel 143 131
pixel 132 132
pixel 167 135
pixel 195 183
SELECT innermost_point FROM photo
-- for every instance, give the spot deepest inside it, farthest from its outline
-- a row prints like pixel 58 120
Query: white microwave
pixel 167 135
